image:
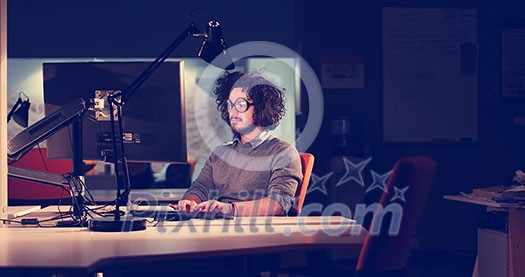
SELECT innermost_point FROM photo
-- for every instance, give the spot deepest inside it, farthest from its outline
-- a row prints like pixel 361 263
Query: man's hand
pixel 214 206
pixel 185 205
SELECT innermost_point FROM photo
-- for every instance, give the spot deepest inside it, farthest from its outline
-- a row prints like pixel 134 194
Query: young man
pixel 256 174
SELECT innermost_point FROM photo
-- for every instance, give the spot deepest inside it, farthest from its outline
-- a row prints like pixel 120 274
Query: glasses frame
pixel 233 105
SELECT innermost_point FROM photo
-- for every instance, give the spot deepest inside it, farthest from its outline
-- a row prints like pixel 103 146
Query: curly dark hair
pixel 268 98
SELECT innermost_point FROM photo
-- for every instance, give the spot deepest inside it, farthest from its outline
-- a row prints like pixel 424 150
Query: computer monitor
pixel 153 118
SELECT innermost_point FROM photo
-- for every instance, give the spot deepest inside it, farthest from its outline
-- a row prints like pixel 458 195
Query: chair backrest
pixel 384 252
pixel 27 190
pixel 307 163
pixel 192 166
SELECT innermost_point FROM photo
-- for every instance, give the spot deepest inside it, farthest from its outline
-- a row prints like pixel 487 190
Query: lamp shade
pixel 213 48
pixel 21 115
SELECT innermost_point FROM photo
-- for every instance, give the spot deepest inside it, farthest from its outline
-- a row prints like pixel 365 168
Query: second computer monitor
pixel 153 118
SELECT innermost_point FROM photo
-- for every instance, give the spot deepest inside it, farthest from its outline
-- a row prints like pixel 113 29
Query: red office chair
pixel 384 254
pixel 26 192
pixel 307 164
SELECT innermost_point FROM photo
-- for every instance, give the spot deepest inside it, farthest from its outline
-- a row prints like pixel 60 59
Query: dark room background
pixel 118 28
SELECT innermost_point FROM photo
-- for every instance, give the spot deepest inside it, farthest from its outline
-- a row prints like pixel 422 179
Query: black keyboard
pixel 174 215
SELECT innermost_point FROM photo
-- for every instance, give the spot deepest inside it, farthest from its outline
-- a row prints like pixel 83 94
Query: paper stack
pixel 489 192
pixel 517 192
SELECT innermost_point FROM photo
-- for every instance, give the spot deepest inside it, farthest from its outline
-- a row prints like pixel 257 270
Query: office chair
pixel 177 175
pixel 21 192
pixel 384 254
pixel 307 164
pixel 192 162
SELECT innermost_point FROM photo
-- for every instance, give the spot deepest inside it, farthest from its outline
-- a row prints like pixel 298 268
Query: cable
pixel 75 183
pixel 42 157
pixel 159 221
pixel 69 213
pixel 10 221
pixel 79 186
pixel 90 199
pixel 49 219
pixel 53 218
pixel 89 211
pixel 72 183
pixel 30 221
pixel 101 207
pixel 60 200
pixel 70 137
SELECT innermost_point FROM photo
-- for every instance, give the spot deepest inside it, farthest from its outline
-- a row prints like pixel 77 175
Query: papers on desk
pixel 517 192
pixel 469 198
pixel 497 192
pixel 519 177
pixel 517 189
pixel 475 197
pixel 500 195
pixel 489 192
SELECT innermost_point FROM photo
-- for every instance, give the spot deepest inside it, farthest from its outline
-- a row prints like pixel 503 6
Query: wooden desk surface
pixel 70 248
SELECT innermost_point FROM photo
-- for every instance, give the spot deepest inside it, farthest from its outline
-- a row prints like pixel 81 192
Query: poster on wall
pixel 430 75
pixel 342 72
pixel 513 67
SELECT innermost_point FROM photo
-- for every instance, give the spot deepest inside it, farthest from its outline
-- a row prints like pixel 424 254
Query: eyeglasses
pixel 241 105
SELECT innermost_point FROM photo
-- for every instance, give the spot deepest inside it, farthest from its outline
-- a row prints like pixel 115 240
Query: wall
pixel 354 28
pixel 121 28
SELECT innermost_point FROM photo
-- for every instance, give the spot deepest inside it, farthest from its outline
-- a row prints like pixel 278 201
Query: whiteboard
pixel 430 75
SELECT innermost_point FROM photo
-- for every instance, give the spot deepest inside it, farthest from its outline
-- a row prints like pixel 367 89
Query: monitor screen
pixel 153 118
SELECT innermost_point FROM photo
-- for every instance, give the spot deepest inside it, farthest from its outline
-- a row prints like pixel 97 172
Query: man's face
pixel 240 122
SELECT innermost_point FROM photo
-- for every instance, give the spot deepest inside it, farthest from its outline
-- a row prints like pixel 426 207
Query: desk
pixel 516 231
pixel 471 200
pixel 77 250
